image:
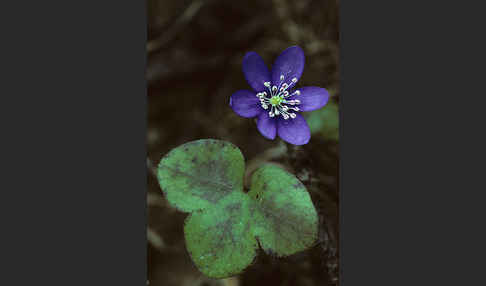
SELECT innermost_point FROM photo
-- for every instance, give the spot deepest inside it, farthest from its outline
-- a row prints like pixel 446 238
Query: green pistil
pixel 276 100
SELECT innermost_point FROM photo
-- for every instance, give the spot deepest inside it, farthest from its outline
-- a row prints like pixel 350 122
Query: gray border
pixel 74 143
pixel 410 207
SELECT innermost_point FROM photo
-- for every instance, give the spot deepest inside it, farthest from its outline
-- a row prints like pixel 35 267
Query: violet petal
pixel 290 64
pixel 267 126
pixel 294 131
pixel 245 103
pixel 311 98
pixel 255 71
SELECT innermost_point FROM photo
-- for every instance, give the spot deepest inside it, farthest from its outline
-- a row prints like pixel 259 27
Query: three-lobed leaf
pixel 205 178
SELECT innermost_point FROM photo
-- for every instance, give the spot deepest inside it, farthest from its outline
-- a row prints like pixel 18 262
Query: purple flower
pixel 273 100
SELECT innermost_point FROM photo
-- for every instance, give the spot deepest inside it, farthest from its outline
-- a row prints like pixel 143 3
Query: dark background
pixel 195 50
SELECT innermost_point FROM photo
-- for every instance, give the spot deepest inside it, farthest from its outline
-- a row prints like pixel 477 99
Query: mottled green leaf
pixel 219 238
pixel 198 174
pixel 285 220
pixel 205 177
pixel 325 121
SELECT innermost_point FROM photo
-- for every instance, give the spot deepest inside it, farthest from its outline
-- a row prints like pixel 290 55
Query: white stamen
pixel 274 99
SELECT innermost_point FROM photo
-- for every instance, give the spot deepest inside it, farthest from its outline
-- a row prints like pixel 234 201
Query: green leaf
pixel 219 239
pixel 205 177
pixel 325 121
pixel 198 174
pixel 285 220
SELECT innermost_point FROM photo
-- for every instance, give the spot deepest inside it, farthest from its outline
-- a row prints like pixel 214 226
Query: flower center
pixel 276 99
